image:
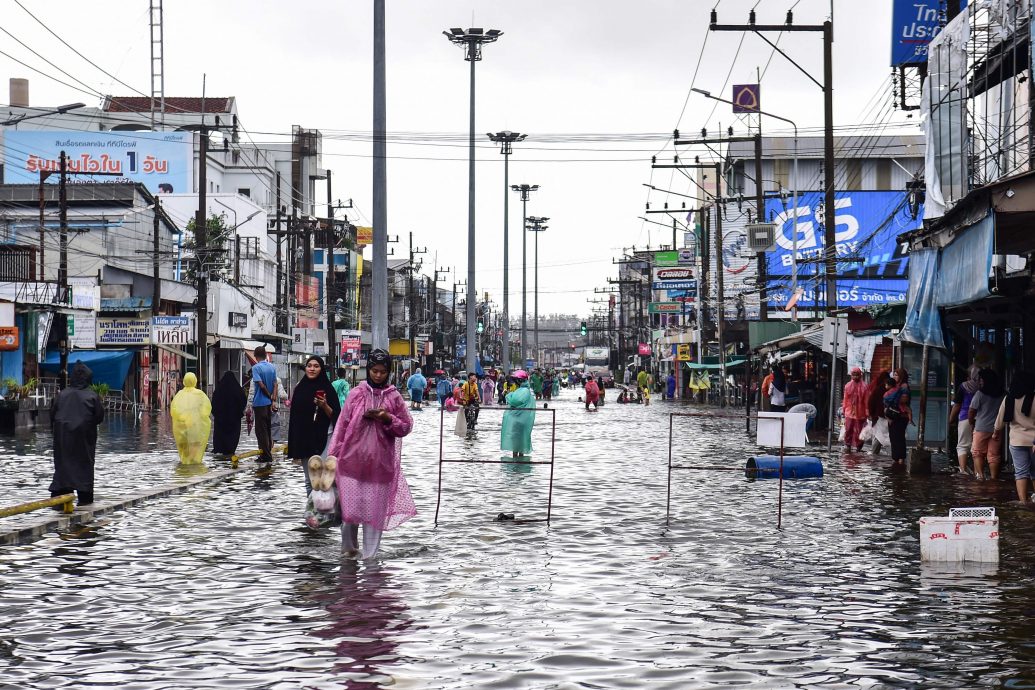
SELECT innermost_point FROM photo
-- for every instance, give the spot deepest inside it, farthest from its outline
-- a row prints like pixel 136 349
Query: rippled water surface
pixel 222 586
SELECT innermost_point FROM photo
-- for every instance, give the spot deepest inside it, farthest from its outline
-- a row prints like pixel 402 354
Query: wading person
pixel 778 390
pixel 1016 411
pixel 367 442
pixel 960 416
pixel 228 404
pixel 853 406
pixel 516 434
pixel 416 385
pixel 470 399
pixel 341 386
pixel 76 412
pixel 592 393
pixel 264 402
pixel 444 389
pixel 899 415
pixel 984 407
pixel 314 409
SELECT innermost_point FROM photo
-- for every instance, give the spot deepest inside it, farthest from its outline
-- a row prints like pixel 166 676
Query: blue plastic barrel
pixel 794 467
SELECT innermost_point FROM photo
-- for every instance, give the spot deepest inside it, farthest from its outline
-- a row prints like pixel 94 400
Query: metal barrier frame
pixel 255 453
pixel 550 462
pixel 668 495
pixel 64 500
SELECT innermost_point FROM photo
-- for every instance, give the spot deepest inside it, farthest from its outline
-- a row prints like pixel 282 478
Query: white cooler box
pixel 966 535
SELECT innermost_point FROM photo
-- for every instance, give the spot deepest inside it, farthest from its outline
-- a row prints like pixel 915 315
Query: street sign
pixel 664 307
pixel 746 98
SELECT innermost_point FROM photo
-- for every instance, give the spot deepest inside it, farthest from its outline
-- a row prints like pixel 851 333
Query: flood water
pixel 223 586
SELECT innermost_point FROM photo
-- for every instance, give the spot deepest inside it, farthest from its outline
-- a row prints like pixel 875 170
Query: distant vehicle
pixel 598 363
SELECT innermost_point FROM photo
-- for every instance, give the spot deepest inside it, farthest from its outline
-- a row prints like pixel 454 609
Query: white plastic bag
pixel 841 433
pixel 867 432
pixel 461 424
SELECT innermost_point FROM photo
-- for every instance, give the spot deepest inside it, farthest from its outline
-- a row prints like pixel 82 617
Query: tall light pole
pixel 379 275
pixel 505 139
pixel 524 190
pixel 536 224
pixel 471 41
pixel 794 192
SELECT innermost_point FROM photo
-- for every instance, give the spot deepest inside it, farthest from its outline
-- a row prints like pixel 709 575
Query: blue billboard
pixel 162 161
pixel 913 24
pixel 872 266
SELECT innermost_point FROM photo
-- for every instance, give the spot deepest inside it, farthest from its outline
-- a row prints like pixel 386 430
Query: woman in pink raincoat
pixel 368 445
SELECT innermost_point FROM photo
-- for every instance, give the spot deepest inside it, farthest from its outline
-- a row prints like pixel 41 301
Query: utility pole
pixel 827 29
pixel 762 270
pixel 279 234
pixel 63 268
pixel 201 255
pixel 331 239
pixel 379 275
pixel 505 139
pixel 524 190
pixel 43 204
pixel 434 299
pixel 412 294
pixel 156 300
pixel 456 333
pixel 537 225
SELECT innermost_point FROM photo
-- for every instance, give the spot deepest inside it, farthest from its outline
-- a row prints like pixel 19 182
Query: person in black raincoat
pixel 314 410
pixel 228 403
pixel 76 412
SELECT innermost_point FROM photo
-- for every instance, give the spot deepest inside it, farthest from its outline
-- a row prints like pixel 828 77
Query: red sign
pixel 9 338
pixel 645 349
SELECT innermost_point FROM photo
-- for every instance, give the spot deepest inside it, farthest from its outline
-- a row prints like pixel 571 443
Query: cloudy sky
pixel 598 85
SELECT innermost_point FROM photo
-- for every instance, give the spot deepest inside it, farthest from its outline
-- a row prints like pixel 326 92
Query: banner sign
pixel 644 349
pixel 123 331
pixel 172 330
pixel 872 266
pixel 9 338
pixel 913 24
pixel 364 236
pixel 684 273
pixel 683 352
pixel 665 308
pixel 684 257
pixel 162 161
pixel 674 285
pixel 82 331
pixel 350 347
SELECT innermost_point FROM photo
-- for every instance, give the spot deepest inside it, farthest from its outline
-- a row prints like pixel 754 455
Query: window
pixel 245 191
pixel 250 247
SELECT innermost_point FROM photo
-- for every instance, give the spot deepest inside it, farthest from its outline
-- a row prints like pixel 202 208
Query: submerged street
pixel 224 584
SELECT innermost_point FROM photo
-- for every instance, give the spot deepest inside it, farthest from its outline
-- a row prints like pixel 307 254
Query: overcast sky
pixel 580 77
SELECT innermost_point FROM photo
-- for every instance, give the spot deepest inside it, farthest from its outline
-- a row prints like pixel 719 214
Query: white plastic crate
pixel 965 535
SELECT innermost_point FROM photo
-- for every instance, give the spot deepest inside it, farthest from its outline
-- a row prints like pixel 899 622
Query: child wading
pixel 368 445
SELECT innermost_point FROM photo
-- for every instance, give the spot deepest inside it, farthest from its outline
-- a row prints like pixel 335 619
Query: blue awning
pixel 108 366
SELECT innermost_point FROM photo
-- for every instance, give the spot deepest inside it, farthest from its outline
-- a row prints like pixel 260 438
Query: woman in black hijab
pixel 314 410
pixel 228 403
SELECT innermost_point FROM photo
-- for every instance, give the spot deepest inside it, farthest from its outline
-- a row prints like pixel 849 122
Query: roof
pixel 173 104
pixel 125 304
pixel 811 334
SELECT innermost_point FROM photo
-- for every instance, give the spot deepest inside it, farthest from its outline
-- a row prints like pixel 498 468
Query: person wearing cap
pixel 516 434
pixel 854 409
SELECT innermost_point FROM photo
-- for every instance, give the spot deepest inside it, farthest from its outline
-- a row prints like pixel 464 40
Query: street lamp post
pixel 471 41
pixel 794 192
pixel 524 190
pixel 505 139
pixel 60 110
pixel 536 224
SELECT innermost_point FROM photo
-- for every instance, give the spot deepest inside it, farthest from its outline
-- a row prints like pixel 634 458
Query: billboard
pixel 162 161
pixel 913 24
pixel 172 330
pixel 872 266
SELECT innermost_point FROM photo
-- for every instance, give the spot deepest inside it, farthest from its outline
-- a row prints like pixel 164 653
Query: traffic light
pixel 481 327
pixel 582 329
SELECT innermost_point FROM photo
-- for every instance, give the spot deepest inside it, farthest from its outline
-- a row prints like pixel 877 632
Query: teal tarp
pixel 108 366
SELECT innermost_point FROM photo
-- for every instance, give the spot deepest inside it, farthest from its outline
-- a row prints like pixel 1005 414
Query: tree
pixel 214 254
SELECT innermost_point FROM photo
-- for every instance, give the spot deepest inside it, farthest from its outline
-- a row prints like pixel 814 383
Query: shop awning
pixel 108 366
pixel 241 344
pixel 805 337
pixel 731 363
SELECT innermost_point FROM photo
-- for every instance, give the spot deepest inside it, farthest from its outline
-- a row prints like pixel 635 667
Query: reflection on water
pixel 223 583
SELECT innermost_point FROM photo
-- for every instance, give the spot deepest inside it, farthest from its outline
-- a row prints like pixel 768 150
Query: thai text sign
pixel 684 257
pixel 913 24
pixel 350 347
pixel 690 285
pixel 364 235
pixel 82 331
pixel 162 161
pixel 172 330
pixel 123 331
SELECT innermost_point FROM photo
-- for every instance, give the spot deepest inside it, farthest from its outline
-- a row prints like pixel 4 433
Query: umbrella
pixel 439 372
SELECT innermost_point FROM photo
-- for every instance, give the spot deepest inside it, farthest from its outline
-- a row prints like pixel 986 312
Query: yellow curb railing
pixel 254 454
pixel 64 500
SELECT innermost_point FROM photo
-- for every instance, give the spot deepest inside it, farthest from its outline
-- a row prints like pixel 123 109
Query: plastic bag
pixel 318 519
pixel 867 432
pixel 841 434
pixel 461 425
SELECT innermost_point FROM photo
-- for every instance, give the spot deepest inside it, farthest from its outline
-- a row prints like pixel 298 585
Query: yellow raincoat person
pixel 191 421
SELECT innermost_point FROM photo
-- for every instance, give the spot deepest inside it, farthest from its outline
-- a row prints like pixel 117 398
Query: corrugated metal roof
pixel 126 304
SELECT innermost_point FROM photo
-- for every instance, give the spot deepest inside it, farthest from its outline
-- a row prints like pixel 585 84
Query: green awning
pixel 733 362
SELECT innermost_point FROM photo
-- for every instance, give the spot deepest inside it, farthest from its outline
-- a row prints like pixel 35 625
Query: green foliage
pixel 100 389
pixel 214 254
pixel 10 386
